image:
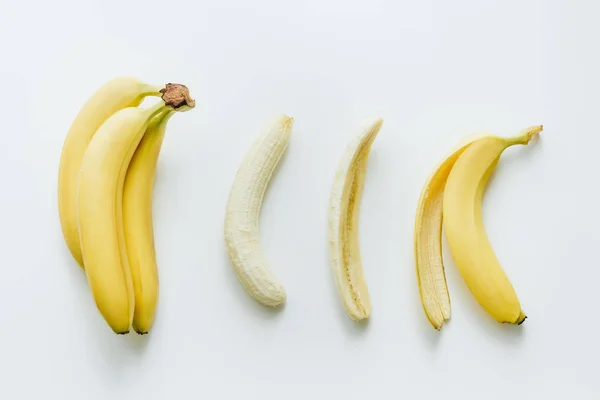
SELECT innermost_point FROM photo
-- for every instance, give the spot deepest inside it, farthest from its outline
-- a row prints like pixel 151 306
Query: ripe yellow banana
pixel 113 96
pixel 428 239
pixel 99 205
pixel 138 223
pixel 242 235
pixel 343 222
pixel 466 235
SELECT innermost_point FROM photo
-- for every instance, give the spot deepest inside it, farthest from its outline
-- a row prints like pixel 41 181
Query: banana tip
pixel 437 324
pixel 375 123
pixel 284 121
pixel 535 130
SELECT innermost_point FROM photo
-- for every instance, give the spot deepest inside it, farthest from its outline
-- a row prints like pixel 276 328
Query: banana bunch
pixel 452 198
pixel 106 177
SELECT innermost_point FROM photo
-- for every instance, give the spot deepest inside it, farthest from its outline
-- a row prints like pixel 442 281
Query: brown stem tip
pixel 177 96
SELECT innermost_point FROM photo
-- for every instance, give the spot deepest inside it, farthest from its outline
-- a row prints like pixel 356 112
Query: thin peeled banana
pixel 113 96
pixel 242 235
pixel 343 222
pixel 463 223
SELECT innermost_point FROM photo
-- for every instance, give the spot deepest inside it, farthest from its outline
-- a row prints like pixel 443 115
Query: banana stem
pixel 162 117
pixel 177 96
pixel 525 135
pixel 151 90
pixel 148 91
pixel 157 109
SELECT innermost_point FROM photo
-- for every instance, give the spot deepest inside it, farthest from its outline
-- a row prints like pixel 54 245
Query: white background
pixel 436 71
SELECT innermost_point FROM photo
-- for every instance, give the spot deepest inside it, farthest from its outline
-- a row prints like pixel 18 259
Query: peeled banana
pixel 99 205
pixel 113 96
pixel 466 234
pixel 138 222
pixel 440 197
pixel 343 222
pixel 242 235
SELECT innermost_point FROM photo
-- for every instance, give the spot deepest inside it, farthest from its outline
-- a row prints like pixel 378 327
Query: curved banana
pixel 428 240
pixel 466 235
pixel 99 205
pixel 138 223
pixel 343 222
pixel 113 96
pixel 242 235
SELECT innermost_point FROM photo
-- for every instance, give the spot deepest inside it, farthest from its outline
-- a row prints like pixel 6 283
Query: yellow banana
pixel 99 205
pixel 428 239
pixel 113 96
pixel 343 222
pixel 137 222
pixel 465 232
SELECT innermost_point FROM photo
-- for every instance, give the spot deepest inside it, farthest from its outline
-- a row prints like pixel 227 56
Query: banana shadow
pixel 113 355
pixel 137 343
pixel 429 334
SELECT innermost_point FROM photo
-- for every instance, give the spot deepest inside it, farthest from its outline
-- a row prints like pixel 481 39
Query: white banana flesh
pixel 242 233
pixel 343 222
pixel 113 96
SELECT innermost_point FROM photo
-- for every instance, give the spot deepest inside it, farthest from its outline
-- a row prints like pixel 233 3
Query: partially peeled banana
pixel 452 197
